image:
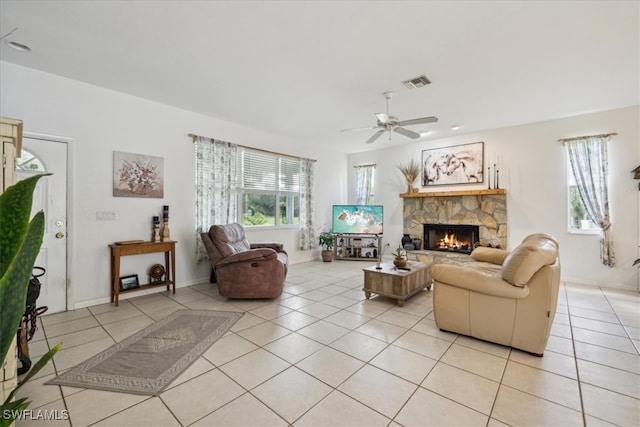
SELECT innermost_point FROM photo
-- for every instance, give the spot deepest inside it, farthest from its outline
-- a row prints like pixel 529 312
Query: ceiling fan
pixel 388 123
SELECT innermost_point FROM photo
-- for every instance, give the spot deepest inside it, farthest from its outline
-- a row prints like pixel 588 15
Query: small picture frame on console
pixel 129 282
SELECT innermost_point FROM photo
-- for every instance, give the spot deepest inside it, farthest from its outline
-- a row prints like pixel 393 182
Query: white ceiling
pixel 308 69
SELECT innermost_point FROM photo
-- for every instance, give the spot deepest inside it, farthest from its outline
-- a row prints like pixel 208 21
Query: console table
pixel 119 250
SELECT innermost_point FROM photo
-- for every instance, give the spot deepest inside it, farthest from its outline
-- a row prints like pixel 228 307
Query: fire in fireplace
pixel 450 237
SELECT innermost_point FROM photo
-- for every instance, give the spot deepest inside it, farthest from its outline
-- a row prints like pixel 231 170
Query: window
pixel 364 184
pixel 270 189
pixel 579 221
pixel 28 162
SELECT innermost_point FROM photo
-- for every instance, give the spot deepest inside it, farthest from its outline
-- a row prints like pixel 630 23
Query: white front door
pixel 39 156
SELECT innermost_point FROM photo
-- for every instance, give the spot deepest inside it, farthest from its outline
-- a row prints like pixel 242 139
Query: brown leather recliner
pixel 504 297
pixel 243 269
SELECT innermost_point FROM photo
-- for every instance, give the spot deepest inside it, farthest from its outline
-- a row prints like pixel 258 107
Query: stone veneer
pixel 489 212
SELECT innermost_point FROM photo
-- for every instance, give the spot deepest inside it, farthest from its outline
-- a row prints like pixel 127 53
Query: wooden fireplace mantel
pixel 485 192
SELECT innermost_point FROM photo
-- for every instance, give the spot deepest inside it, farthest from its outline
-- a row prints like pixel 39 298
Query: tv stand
pixel 357 247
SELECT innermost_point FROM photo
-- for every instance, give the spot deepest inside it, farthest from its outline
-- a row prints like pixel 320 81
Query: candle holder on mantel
pixel 165 224
pixel 156 229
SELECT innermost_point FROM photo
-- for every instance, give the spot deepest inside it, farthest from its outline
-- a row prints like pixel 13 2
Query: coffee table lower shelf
pixel 399 284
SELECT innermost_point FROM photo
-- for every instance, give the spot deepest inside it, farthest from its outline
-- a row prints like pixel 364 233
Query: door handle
pixel 59 235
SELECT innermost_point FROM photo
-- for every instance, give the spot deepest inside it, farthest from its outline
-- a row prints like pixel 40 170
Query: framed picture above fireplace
pixel 458 164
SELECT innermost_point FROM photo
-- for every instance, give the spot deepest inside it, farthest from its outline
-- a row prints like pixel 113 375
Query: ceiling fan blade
pixel 374 137
pixel 420 121
pixel 383 118
pixel 406 132
pixel 354 129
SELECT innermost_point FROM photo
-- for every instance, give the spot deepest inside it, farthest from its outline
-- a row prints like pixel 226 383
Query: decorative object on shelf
pixel 410 170
pixel 458 164
pixel 129 282
pixel 326 239
pixel 407 242
pixel 156 229
pixel 137 175
pixel 156 274
pixel 379 254
pixel 165 222
pixel 636 175
pixel 416 243
pixel 400 257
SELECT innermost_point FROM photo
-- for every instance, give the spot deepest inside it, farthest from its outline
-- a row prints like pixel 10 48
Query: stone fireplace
pixel 484 209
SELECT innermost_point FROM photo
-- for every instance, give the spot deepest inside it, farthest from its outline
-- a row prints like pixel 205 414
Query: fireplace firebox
pixel 451 237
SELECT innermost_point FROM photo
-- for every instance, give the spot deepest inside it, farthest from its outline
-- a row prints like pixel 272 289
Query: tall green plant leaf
pixel 20 241
pixel 35 369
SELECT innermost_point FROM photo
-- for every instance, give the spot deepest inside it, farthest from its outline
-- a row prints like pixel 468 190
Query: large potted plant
pixel 326 240
pixel 20 241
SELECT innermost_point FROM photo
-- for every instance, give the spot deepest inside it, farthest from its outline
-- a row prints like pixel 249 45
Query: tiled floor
pixel 322 355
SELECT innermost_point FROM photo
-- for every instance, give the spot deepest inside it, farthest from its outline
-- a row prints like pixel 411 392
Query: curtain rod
pixel 602 135
pixel 365 166
pixel 194 137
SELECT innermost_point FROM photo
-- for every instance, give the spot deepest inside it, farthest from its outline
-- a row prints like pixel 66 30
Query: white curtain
pixel 588 157
pixel 216 186
pixel 307 238
pixel 364 181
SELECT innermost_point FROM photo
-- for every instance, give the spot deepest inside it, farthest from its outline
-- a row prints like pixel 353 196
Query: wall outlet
pixel 105 216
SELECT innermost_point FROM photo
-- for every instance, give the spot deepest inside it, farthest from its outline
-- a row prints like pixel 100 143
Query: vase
pixel 406 239
pixel 416 244
pixel 400 262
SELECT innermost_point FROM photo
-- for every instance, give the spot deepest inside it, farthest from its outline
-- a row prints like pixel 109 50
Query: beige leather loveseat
pixel 504 297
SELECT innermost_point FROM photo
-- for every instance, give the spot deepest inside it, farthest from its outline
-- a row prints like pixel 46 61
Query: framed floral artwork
pixel 459 164
pixel 137 175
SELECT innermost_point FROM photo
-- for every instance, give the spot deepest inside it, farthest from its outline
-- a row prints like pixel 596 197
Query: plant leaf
pixel 15 281
pixel 14 409
pixel 36 368
pixel 20 242
pixel 15 209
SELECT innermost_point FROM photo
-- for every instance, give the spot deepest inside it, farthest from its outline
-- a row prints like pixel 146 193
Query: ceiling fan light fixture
pixel 417 82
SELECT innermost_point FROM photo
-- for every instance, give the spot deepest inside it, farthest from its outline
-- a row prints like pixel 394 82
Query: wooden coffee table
pixel 396 283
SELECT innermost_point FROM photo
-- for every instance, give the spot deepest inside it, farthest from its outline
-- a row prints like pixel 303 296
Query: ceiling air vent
pixel 417 82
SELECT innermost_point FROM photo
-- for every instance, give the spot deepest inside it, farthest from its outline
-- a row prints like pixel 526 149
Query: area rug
pixel 146 362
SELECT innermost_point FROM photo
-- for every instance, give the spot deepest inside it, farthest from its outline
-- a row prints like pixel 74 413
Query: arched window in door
pixel 30 163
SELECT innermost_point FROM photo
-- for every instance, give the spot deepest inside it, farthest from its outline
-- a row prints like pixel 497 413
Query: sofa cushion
pixel 534 252
pixel 492 255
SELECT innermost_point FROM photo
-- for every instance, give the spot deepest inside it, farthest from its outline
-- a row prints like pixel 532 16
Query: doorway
pixel 43 155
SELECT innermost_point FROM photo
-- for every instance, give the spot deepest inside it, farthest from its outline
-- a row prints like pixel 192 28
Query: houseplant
pixel 326 239
pixel 410 170
pixel 400 257
pixel 20 241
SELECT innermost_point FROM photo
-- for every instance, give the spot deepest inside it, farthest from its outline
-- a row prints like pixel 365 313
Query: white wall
pixel 533 170
pixel 100 121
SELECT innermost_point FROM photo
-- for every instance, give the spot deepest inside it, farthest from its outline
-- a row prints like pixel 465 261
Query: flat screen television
pixel 357 219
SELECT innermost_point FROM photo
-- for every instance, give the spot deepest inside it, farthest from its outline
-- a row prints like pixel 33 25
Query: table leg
pixel 400 302
pixel 168 267
pixel 173 268
pixel 367 294
pixel 115 259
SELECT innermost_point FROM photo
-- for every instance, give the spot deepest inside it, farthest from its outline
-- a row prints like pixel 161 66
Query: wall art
pixel 137 175
pixel 458 164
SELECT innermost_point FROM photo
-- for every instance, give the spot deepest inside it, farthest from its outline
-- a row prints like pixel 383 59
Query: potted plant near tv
pixel 326 242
